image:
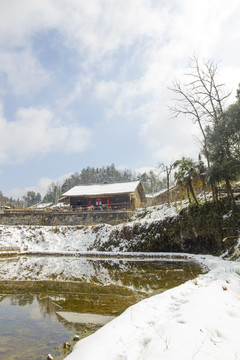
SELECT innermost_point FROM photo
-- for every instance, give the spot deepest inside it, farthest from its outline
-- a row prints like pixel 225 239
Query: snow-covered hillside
pixel 74 238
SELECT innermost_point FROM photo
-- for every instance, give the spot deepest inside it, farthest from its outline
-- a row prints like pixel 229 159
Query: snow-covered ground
pixel 58 239
pixel 198 320
pixel 53 239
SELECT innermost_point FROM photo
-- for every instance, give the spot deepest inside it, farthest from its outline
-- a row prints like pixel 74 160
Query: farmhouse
pixel 116 196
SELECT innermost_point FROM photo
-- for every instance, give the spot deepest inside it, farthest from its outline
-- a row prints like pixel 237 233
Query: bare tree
pixel 167 169
pixel 201 98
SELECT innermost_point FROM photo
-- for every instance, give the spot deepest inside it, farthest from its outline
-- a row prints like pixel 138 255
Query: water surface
pixel 34 288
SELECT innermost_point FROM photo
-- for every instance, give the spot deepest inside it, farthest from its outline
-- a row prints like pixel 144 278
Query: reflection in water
pixel 28 311
pixel 27 332
pixel 21 300
pixel 141 274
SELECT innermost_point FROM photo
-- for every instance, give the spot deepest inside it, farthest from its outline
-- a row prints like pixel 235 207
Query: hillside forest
pixel 151 181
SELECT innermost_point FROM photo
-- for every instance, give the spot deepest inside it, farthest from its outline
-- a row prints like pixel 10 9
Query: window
pixel 99 202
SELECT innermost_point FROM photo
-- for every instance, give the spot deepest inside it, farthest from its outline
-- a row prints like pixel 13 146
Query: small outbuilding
pixel 115 196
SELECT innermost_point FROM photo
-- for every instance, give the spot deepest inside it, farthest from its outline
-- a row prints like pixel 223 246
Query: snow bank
pixel 51 238
pixel 197 320
pixel 57 239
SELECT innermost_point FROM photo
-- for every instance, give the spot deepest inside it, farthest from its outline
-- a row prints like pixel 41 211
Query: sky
pixel 86 83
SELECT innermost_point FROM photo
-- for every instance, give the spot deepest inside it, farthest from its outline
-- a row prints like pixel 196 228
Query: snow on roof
pixel 163 191
pixel 41 205
pixel 103 189
pixel 156 194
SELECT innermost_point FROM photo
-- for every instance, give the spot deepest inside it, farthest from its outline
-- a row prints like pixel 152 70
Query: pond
pixel 35 290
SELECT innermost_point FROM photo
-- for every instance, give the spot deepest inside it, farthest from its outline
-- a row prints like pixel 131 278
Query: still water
pixel 33 289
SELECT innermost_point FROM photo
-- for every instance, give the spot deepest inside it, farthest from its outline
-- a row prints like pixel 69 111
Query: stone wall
pixel 45 218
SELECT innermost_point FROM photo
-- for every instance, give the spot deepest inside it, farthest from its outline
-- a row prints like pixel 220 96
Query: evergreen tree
pixel 92 175
pixel 224 148
pixel 150 181
pixel 53 194
pixel 32 198
pixel 185 174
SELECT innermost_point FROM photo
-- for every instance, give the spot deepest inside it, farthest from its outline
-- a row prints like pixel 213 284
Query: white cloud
pixel 41 186
pixel 162 33
pixel 21 20
pixel 39 132
pixel 130 51
pixel 104 90
pixel 97 30
pixel 193 28
pixel 82 83
pixel 101 27
pixel 23 71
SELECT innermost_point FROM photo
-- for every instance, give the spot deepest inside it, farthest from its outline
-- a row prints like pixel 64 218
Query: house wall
pixel 120 201
pixel 114 201
pixel 136 201
pixel 177 193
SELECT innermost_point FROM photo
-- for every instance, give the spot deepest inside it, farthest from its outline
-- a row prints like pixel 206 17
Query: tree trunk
pixel 168 187
pixel 229 191
pixel 192 191
pixel 214 192
pixel 189 197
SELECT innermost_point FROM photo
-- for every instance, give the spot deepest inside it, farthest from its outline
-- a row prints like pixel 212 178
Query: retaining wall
pixel 64 218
